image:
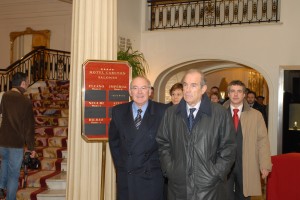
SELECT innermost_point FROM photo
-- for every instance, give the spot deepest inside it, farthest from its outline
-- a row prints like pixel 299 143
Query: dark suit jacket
pixel 135 152
pixel 261 109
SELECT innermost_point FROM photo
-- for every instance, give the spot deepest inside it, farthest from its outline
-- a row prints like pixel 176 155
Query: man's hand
pixel 264 173
pixel 33 154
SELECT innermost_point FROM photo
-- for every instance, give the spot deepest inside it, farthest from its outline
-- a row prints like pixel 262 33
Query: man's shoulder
pixel 122 106
pixel 158 104
pixel 253 112
pixel 158 107
pixel 216 107
pixel 258 106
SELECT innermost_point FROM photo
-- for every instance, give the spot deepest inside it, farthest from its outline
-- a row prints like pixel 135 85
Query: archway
pixel 230 70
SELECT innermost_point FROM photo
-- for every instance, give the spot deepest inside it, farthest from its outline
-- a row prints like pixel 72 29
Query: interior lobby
pixel 262 54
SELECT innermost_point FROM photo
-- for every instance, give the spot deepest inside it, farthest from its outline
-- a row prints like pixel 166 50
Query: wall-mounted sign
pixel 105 84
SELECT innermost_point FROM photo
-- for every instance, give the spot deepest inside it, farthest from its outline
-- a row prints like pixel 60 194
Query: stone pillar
pixel 94 36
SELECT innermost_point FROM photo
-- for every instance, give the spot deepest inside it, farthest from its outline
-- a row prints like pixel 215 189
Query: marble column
pixel 94 36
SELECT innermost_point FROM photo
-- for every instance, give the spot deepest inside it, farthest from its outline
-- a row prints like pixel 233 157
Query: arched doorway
pixel 217 73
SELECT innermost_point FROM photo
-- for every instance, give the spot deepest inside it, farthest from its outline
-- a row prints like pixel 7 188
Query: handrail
pixel 31 53
pixel 171 14
pixel 40 64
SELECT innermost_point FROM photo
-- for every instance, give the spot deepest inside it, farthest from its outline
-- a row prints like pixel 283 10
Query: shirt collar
pixel 197 106
pixel 135 108
pixel 240 107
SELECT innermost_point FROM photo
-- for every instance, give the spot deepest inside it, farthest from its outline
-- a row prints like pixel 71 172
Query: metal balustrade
pixel 39 64
pixel 202 13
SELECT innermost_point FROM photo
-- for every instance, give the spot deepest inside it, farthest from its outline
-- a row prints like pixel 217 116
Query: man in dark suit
pixel 251 99
pixel 134 150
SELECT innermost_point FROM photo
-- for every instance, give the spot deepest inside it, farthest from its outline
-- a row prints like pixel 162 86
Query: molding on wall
pixel 67 1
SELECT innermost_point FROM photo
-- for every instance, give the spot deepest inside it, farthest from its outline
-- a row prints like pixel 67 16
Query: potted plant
pixel 136 60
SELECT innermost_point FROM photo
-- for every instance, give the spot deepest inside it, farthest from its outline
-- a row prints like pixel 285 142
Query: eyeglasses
pixel 143 88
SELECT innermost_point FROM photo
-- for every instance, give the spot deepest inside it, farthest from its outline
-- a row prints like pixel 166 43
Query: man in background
pixel 151 97
pixel 16 131
pixel 253 157
pixel 260 100
pixel 214 90
pixel 251 99
pixel 196 144
pixel 134 150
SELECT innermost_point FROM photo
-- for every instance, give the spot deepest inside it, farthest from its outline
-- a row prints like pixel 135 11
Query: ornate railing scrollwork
pixel 167 14
pixel 39 64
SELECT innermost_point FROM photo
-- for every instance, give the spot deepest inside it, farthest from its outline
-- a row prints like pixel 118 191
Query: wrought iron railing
pixel 170 14
pixel 39 64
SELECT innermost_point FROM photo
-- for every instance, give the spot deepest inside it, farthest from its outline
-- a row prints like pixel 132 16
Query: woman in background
pixel 215 97
pixel 176 93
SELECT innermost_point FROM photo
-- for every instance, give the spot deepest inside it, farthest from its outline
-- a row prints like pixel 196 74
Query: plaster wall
pixel 52 15
pixel 129 21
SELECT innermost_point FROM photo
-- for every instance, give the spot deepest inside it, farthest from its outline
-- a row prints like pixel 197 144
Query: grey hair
pixel 190 71
pixel 143 77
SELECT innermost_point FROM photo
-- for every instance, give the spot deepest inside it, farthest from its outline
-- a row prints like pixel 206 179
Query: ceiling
pixel 33 9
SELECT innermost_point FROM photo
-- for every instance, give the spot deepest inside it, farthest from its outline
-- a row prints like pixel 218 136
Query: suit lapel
pixel 147 122
pixel 129 119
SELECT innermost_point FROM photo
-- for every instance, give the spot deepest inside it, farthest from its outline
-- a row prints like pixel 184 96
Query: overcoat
pixel 135 152
pixel 197 162
pixel 256 149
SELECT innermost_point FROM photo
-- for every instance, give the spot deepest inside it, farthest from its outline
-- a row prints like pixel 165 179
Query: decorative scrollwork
pixel 254 10
pixel 183 13
pixel 245 11
pixel 176 15
pixel 235 11
pixel 264 9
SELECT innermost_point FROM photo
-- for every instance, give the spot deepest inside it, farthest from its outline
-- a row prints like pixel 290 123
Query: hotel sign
pixel 105 84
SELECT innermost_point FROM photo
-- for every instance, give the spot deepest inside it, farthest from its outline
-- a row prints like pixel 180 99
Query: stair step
pixel 64 153
pixel 64 165
pixel 52 195
pixel 50 100
pixel 57 182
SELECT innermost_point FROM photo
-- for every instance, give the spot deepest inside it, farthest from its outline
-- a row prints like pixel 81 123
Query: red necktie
pixel 236 118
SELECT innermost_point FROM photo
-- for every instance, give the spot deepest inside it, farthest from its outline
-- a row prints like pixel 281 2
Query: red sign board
pixel 105 84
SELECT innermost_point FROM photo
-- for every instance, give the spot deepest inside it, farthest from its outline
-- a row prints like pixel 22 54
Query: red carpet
pixel 51 104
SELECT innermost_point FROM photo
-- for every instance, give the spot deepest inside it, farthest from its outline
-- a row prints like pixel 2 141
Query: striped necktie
pixel 138 119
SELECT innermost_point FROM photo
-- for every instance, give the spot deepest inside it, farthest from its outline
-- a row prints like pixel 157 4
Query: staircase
pixel 51 110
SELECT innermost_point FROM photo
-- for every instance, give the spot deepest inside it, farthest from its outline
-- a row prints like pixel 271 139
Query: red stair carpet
pixel 51 110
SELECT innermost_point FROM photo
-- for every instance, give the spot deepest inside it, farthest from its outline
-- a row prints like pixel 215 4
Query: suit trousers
pixel 235 184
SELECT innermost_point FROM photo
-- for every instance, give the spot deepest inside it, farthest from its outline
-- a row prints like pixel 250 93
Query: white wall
pixel 129 21
pixel 264 47
pixel 17 15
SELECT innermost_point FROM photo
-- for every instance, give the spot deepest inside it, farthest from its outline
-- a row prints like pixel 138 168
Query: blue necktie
pixel 138 119
pixel 191 118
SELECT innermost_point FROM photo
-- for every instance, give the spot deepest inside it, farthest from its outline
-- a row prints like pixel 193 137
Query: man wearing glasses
pixel 134 150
